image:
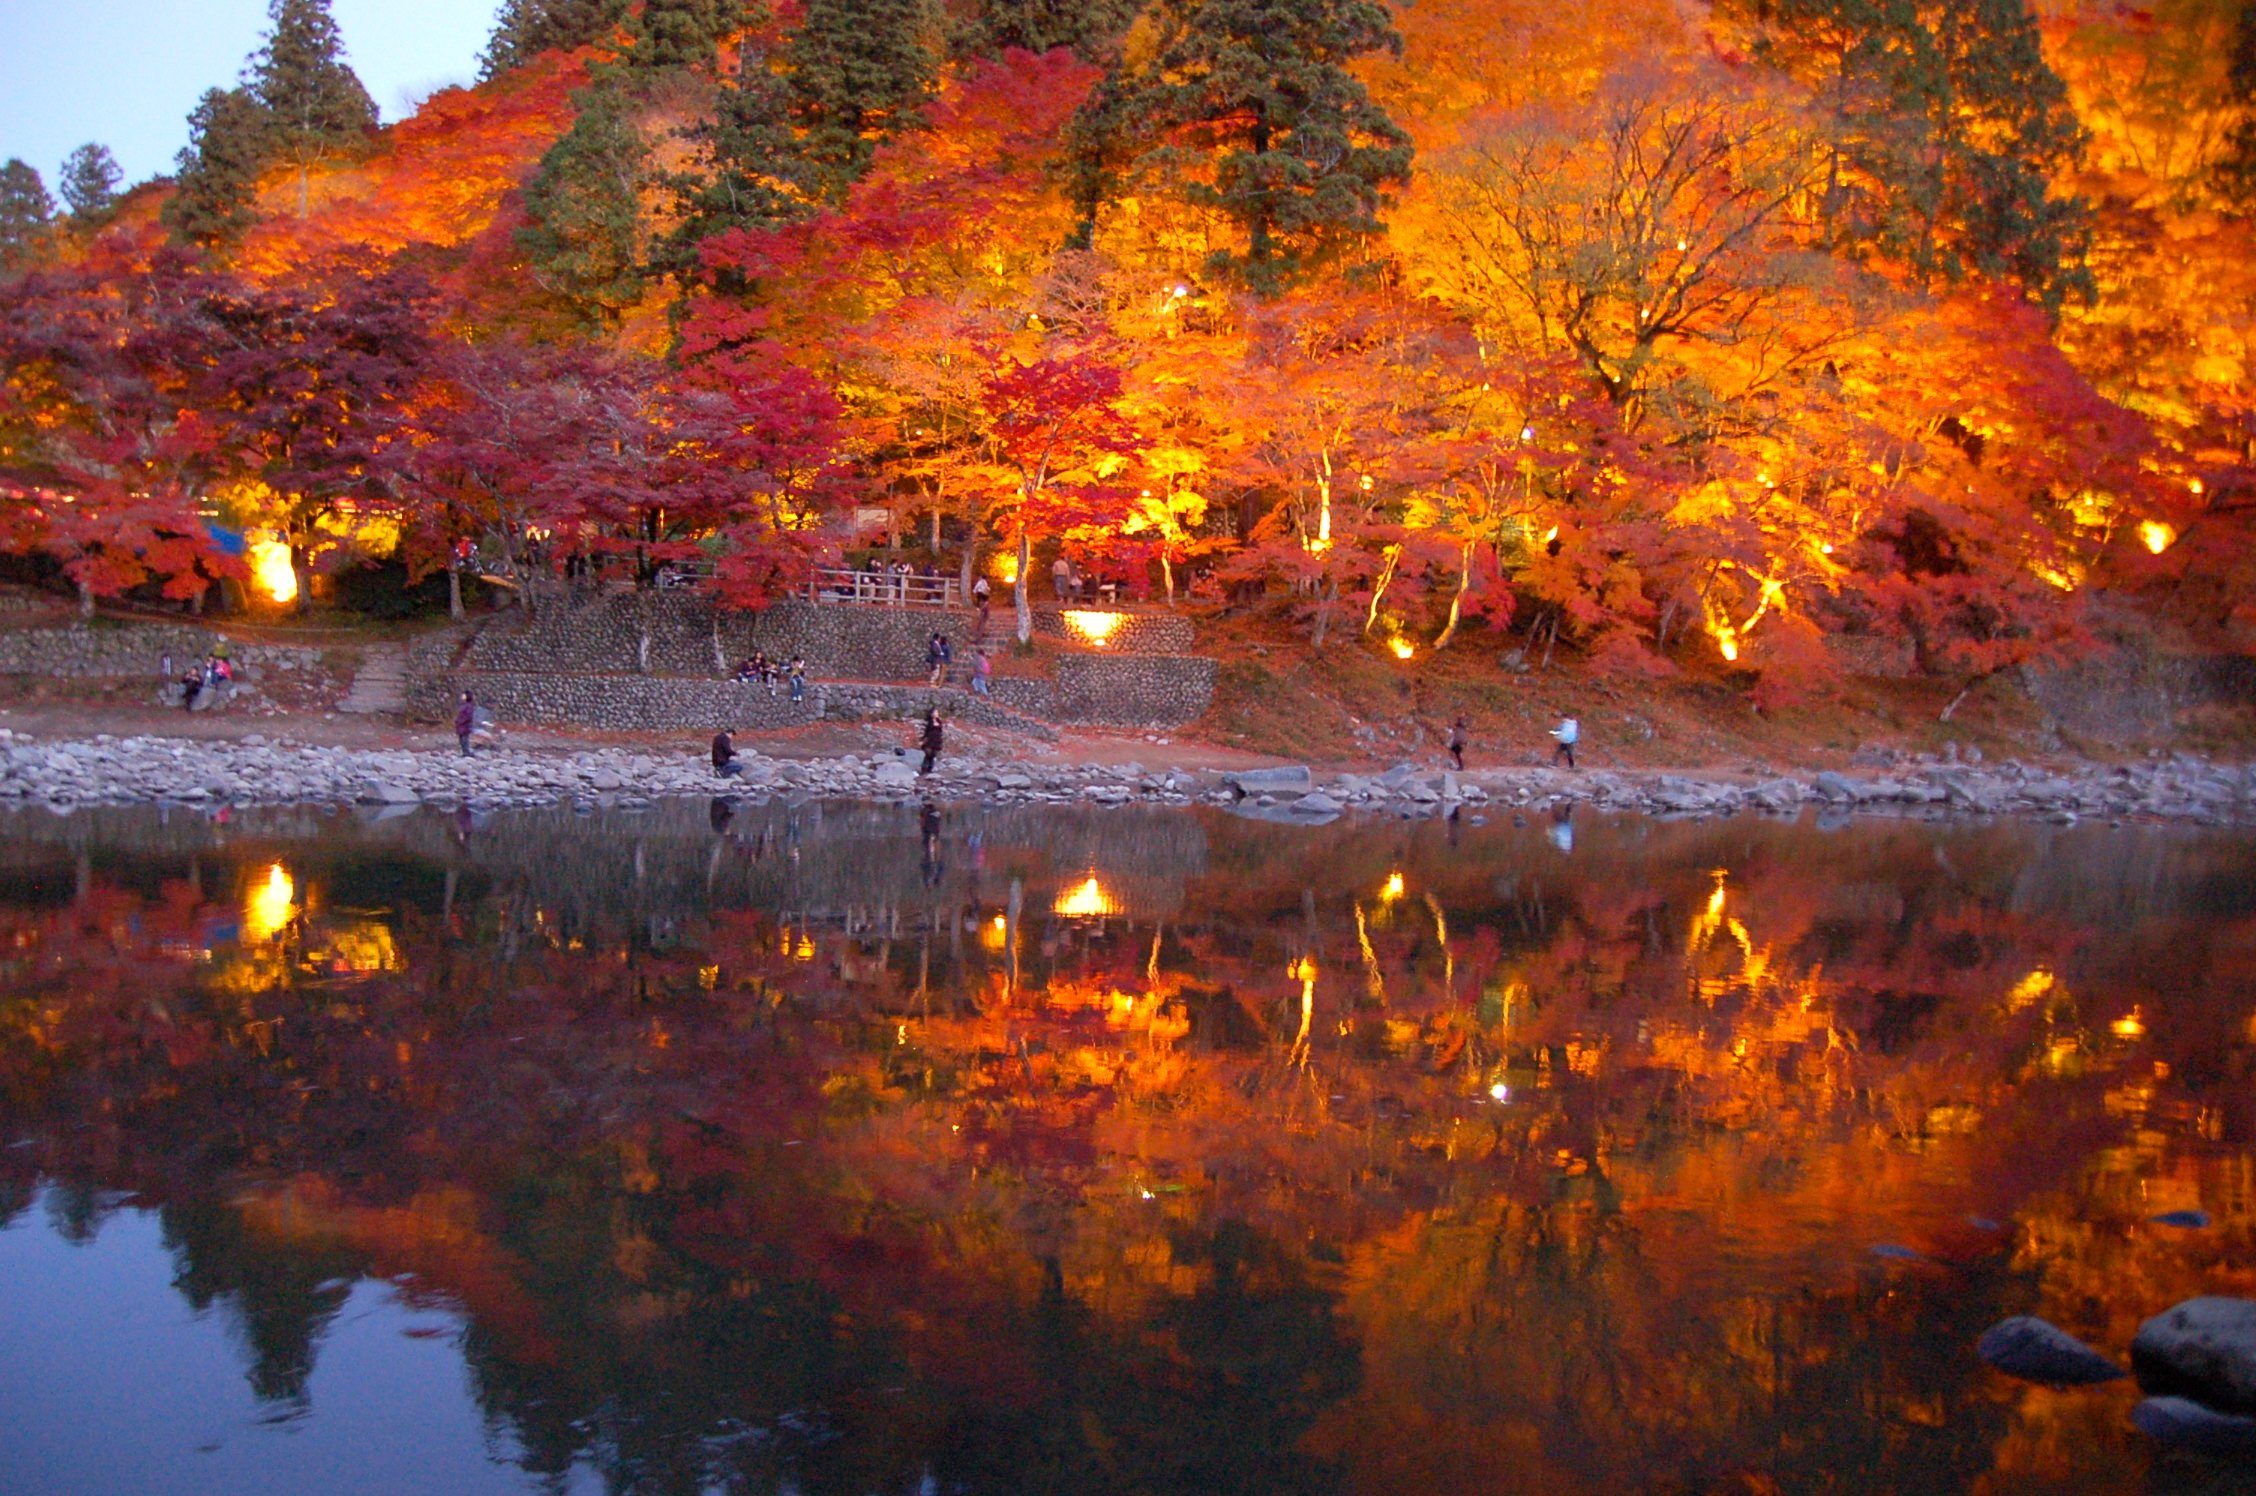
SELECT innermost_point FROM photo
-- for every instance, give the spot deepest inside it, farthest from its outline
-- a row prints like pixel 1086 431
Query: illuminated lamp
pixel 2156 536
pixel 270 569
pixel 1403 648
pixel 1093 628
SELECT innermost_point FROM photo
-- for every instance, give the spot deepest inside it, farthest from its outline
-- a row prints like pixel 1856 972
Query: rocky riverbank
pixel 257 770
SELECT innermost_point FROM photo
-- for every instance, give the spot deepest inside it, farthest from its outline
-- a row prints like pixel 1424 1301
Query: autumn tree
pixel 2235 168
pixel 316 380
pixel 1955 136
pixel 1248 108
pixel 527 28
pixel 106 454
pixel 1059 439
pixel 216 176
pixel 25 212
pixel 314 104
pixel 89 183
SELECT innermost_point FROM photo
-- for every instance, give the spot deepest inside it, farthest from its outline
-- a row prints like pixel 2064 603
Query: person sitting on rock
pixel 725 761
pixel 749 670
pixel 797 671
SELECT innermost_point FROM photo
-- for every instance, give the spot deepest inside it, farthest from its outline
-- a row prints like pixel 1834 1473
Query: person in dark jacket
pixel 465 722
pixel 939 654
pixel 725 761
pixel 1457 744
pixel 931 740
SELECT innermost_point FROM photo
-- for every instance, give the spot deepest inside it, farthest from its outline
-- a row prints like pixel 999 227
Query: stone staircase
pixel 380 684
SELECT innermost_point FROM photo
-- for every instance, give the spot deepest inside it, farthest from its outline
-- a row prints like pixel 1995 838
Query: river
pixel 850 1148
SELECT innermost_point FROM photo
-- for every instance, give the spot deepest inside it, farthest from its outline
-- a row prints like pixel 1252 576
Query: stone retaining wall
pixel 104 651
pixel 1132 690
pixel 659 703
pixel 687 635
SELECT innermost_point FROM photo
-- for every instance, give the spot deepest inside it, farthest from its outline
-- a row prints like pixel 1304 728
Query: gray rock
pixel 2035 1351
pixel 895 774
pixel 2184 1424
pixel 1317 803
pixel 1292 780
pixel 390 794
pixel 1835 787
pixel 2204 1349
pixel 1014 781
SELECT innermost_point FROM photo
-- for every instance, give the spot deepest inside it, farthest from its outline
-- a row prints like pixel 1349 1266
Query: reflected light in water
pixel 1393 889
pixel 995 932
pixel 2029 989
pixel 269 905
pixel 1086 899
pixel 2131 1025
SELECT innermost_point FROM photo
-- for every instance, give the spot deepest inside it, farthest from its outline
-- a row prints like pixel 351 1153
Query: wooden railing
pixel 884 589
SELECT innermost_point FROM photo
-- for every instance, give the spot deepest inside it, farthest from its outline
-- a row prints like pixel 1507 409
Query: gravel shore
pixel 255 770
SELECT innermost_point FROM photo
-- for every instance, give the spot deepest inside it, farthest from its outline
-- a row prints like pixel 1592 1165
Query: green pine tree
pixel 679 33
pixel 585 203
pixel 1090 27
pixel 89 183
pixel 25 212
pixel 218 173
pixel 1951 131
pixel 527 28
pixel 1248 108
pixel 861 70
pixel 316 107
pixel 2235 171
pixel 747 171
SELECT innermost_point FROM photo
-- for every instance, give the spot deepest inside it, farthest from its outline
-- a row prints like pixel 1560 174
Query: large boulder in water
pixel 2203 1349
pixel 2035 1351
pixel 1292 780
pixel 2188 1425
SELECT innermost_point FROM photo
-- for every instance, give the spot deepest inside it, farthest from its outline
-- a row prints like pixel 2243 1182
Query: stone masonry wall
pixel 579 665
pixel 134 649
pixel 656 703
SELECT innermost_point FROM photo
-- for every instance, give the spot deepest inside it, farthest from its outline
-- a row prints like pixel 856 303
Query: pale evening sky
pixel 126 72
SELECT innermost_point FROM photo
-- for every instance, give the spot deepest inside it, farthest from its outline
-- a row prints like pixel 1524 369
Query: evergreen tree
pixel 89 182
pixel 527 28
pixel 2235 170
pixel 585 203
pixel 860 70
pixel 217 175
pixel 25 210
pixel 316 107
pixel 1089 27
pixel 748 171
pixel 1952 129
pixel 1249 107
pixel 679 33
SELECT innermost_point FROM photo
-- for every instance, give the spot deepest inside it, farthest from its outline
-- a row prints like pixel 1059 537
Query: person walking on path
pixel 982 674
pixel 982 597
pixel 725 761
pixel 465 721
pixel 1457 744
pixel 931 740
pixel 1061 578
pixel 939 654
pixel 1567 734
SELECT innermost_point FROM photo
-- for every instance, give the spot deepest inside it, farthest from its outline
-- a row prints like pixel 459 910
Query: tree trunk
pixel 1457 599
pixel 970 567
pixel 454 593
pixel 1018 589
pixel 301 571
pixel 1167 575
pixel 1378 592
pixel 85 601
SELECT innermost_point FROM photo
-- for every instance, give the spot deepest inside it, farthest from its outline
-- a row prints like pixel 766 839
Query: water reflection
pixel 856 1148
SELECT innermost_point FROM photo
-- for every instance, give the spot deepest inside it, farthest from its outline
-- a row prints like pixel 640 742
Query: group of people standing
pixel 940 653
